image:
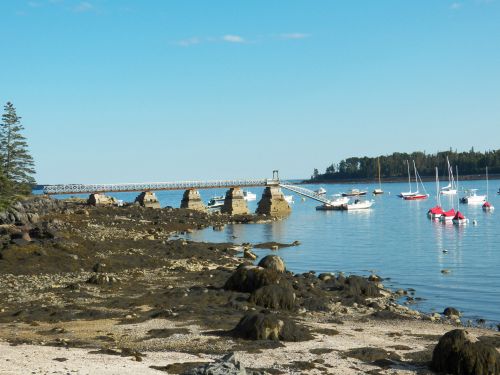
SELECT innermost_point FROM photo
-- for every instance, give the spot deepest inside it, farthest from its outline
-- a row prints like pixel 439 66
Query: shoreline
pixel 118 285
pixel 389 180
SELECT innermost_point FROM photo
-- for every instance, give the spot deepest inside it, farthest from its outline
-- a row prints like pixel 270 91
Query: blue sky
pixel 125 91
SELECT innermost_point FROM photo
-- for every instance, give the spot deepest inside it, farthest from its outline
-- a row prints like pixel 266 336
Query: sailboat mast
pixel 487 187
pixel 438 196
pixel 416 180
pixel 409 181
pixel 379 183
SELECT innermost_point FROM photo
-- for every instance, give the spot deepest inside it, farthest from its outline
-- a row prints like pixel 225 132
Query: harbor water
pixel 395 239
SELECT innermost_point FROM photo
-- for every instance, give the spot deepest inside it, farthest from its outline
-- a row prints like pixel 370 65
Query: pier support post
pixel 192 201
pixel 148 199
pixel 96 199
pixel 273 202
pixel 234 203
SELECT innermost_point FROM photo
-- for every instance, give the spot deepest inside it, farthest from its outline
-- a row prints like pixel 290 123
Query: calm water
pixel 394 239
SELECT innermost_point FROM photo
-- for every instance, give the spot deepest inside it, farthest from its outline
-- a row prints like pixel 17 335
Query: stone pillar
pixel 273 202
pixel 235 203
pixel 192 201
pixel 148 199
pixel 96 199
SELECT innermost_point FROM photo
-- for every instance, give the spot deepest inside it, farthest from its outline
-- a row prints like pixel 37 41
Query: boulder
pixel 451 312
pixel 267 326
pixel 273 262
pixel 457 353
pixel 227 365
pixel 274 297
pixel 247 279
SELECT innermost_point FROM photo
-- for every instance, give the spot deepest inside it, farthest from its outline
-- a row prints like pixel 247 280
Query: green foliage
pixel 16 164
pixel 469 163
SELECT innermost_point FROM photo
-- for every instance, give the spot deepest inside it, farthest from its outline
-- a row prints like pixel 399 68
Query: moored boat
pixel 487 206
pixel 435 212
pixel 460 219
pixel 216 202
pixel 471 197
pixel 358 205
pixel 378 191
pixel 249 196
pixel 447 215
pixel 416 197
pixel 354 193
pixel 334 205
pixel 451 188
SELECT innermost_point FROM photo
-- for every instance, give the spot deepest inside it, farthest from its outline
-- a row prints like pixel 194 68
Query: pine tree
pixel 5 191
pixel 17 163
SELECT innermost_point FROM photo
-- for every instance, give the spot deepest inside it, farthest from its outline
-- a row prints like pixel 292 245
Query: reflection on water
pixel 394 239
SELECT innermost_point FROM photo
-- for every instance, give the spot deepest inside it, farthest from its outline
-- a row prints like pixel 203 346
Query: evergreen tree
pixel 17 163
pixel 5 190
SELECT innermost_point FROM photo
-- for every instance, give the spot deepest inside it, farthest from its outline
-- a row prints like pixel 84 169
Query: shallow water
pixel 394 239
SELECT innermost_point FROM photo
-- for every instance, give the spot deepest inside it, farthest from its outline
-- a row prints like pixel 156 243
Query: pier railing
pixel 307 193
pixel 154 186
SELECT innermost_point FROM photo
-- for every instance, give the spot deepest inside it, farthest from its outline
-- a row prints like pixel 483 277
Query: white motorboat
pixel 216 202
pixel 471 197
pixel 354 193
pixel 336 204
pixel 249 196
pixel 289 198
pixel 358 205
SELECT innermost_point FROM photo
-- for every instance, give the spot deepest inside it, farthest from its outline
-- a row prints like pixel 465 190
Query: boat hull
pixel 416 197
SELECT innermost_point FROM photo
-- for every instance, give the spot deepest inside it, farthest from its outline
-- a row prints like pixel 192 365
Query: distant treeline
pixel 394 166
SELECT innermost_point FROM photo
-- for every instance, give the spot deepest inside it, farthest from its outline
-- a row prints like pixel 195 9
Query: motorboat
pixel 460 219
pixel 447 215
pixel 335 205
pixel 358 205
pixel 354 193
pixel 416 197
pixel 435 212
pixel 471 197
pixel 289 198
pixel 216 202
pixel 378 191
pixel 249 196
pixel 320 191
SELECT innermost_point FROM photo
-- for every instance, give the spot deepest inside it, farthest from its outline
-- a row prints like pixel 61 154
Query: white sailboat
pixel 417 195
pixel 407 193
pixel 451 188
pixel 378 190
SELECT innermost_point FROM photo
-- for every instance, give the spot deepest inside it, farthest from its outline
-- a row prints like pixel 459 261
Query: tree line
pixel 16 163
pixel 393 166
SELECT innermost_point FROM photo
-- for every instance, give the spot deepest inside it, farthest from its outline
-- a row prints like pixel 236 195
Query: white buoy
pixel 474 222
pixel 445 251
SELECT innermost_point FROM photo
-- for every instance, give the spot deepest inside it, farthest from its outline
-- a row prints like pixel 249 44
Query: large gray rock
pixel 273 262
pixel 247 279
pixel 28 211
pixel 265 325
pixel 227 365
pixel 456 353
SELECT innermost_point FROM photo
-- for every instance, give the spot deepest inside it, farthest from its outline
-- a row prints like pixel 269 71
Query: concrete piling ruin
pixel 273 202
pixel 192 201
pixel 234 202
pixel 96 199
pixel 148 199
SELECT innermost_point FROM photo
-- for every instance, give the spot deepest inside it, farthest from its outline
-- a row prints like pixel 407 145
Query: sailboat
pixel 451 188
pixel 407 193
pixel 487 206
pixel 378 190
pixel 437 211
pixel 448 216
pixel 417 195
pixel 459 218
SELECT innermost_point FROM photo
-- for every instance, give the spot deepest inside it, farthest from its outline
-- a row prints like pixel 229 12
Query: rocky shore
pixel 119 290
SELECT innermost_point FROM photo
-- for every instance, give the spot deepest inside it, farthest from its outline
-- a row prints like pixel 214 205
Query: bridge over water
pixel 272 201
